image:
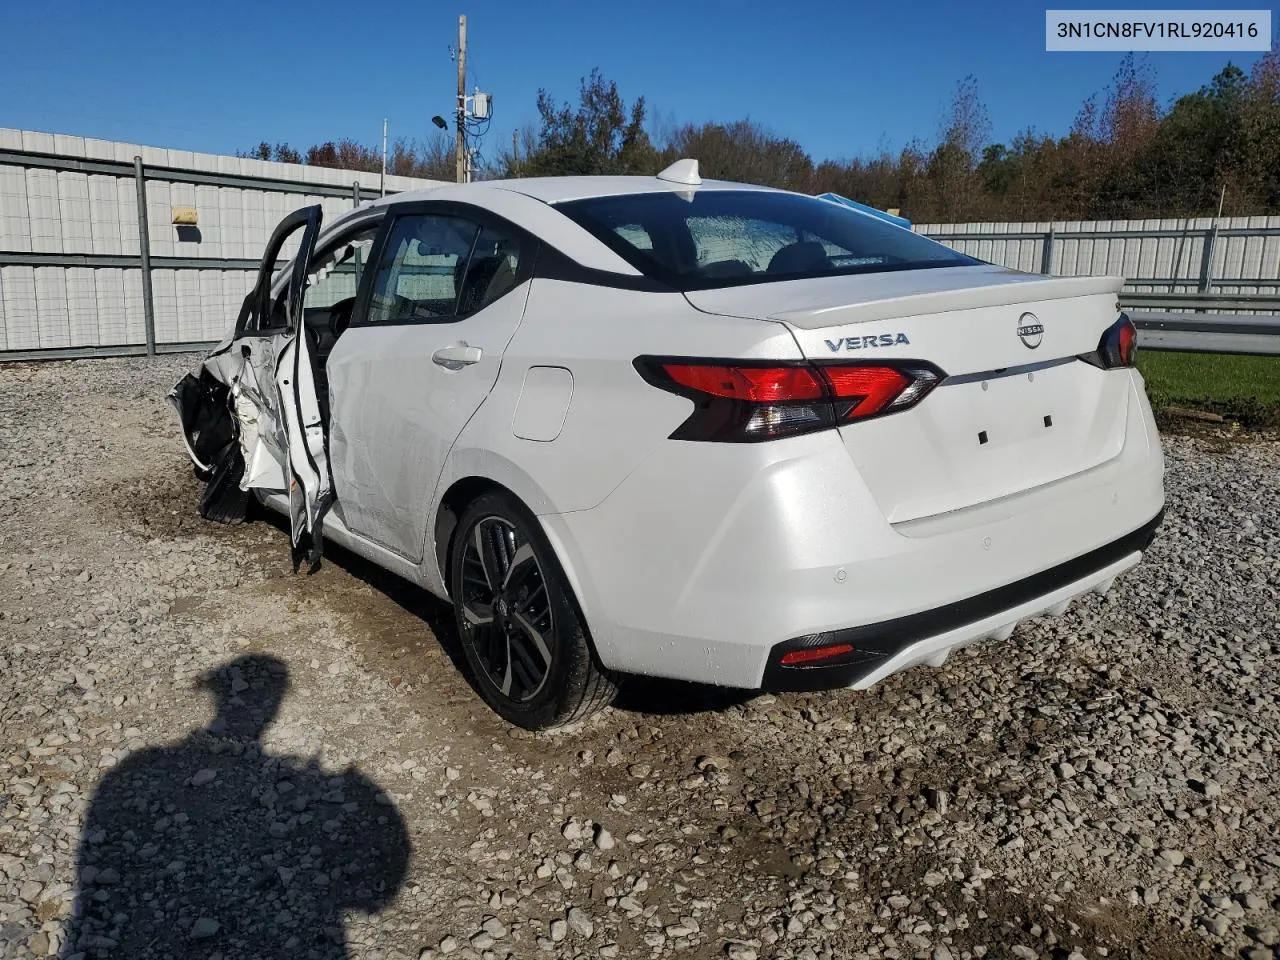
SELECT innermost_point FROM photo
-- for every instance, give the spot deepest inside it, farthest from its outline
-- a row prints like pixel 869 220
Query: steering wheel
pixel 313 339
pixel 340 316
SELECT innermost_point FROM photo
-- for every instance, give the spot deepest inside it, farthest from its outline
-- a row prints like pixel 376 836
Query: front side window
pixel 718 238
pixel 436 268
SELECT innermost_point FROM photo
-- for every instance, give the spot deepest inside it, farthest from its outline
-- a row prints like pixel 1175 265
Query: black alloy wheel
pixel 504 604
pixel 522 631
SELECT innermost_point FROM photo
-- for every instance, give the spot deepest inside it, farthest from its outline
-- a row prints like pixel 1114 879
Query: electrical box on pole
pixel 478 106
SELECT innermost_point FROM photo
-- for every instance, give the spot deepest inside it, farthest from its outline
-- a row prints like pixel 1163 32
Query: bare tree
pixel 1130 116
pixel 951 168
pixel 967 125
pixel 512 161
pixel 431 158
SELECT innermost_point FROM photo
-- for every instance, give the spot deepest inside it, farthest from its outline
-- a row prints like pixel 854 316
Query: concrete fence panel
pixel 70 270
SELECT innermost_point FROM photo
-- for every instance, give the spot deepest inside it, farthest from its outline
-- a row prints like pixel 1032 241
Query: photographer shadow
pixel 212 847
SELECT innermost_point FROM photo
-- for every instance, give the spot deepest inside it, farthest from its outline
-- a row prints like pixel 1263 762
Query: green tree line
pixel 1125 156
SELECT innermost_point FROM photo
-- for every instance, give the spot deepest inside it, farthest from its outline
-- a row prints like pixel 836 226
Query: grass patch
pixel 1241 388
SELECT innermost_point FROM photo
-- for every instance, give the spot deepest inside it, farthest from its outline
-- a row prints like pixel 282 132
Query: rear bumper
pixel 709 556
pixel 884 648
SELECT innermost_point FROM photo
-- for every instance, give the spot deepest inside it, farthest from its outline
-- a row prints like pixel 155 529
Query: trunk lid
pixel 1016 411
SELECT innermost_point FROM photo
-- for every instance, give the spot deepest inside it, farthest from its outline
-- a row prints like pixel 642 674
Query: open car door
pixel 249 415
pixel 307 461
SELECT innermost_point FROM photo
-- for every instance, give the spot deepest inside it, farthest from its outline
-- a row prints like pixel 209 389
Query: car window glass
pixel 635 235
pixel 738 239
pixel 714 238
pixel 335 274
pixel 729 247
pixel 421 267
pixel 492 271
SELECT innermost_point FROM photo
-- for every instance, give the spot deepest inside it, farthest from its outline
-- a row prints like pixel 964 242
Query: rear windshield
pixel 722 238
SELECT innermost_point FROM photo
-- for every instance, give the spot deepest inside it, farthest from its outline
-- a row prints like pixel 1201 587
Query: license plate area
pixel 1011 410
pixel 968 443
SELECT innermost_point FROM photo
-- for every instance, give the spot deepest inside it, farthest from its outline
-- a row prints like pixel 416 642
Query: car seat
pixel 803 257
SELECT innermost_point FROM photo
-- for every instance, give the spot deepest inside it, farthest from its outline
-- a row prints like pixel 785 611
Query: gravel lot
pixel 1103 784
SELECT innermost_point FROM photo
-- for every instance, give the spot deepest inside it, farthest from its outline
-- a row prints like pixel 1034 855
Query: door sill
pixel 334 528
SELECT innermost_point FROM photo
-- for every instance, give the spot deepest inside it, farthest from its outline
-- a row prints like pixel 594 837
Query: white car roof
pixel 558 189
pixel 526 202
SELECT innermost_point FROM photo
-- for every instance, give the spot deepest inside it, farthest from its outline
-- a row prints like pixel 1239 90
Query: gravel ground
pixel 202 755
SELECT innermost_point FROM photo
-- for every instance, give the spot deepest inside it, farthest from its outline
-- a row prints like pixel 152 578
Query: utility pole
pixel 515 154
pixel 461 147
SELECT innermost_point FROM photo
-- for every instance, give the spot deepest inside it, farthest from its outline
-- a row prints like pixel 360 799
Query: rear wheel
pixel 521 631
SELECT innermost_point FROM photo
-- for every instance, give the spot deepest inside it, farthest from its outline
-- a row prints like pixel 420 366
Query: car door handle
pixel 457 356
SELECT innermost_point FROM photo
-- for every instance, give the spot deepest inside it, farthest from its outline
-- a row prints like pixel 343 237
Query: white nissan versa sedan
pixel 693 429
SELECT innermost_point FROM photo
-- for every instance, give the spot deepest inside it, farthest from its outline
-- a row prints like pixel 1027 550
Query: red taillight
pixel 796 658
pixel 753 400
pixel 870 388
pixel 754 384
pixel 1126 342
pixel 1118 346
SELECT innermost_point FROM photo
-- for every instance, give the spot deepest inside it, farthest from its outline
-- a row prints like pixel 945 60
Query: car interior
pixel 730 237
pixel 705 255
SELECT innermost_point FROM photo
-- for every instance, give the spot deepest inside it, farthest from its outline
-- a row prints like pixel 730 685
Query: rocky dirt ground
pixel 1101 785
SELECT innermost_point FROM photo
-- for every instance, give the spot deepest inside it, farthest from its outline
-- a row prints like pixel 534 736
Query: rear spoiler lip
pixel 1029 290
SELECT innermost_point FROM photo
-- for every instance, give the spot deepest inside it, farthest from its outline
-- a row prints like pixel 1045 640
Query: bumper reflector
pixel 796 658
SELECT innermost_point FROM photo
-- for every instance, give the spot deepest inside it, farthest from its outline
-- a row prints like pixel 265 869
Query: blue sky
pixel 843 79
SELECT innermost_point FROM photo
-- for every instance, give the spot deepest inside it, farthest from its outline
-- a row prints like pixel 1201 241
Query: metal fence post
pixel 144 258
pixel 355 192
pixel 1206 264
pixel 1046 255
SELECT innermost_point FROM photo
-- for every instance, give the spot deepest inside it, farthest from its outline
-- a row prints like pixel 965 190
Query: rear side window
pixel 716 238
pixel 635 235
pixel 492 271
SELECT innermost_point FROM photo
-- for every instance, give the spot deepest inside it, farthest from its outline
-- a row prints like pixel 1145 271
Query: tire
pixel 223 501
pixel 525 642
